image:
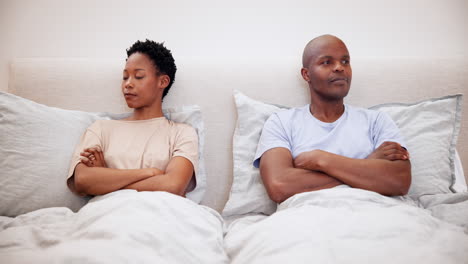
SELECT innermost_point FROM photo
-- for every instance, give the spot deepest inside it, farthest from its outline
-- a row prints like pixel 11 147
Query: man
pixel 328 143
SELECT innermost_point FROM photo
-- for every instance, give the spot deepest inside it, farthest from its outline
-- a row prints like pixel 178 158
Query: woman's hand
pixel 93 157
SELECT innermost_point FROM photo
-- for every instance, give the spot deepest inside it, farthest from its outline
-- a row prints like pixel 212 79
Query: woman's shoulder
pixel 103 124
pixel 96 125
pixel 182 128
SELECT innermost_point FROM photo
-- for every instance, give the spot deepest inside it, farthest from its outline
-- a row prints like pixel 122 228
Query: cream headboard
pixel 94 85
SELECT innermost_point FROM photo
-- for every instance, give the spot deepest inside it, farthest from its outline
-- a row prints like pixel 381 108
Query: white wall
pixel 221 29
pixel 224 30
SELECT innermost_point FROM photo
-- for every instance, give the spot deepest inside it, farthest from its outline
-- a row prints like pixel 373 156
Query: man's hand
pixel 283 179
pixel 93 157
pixel 390 151
pixel 386 171
pixel 310 160
pixel 157 171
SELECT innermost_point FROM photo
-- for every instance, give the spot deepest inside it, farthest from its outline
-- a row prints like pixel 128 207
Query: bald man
pixel 329 144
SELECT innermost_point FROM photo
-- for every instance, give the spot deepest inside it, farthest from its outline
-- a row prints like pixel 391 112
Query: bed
pixel 50 101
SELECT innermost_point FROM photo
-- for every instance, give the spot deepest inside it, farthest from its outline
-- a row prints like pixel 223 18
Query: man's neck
pixel 327 111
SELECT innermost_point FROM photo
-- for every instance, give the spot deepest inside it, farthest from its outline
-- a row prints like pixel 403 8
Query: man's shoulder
pixel 357 111
pixel 290 113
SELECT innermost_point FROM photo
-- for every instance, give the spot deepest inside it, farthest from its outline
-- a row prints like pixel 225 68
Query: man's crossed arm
pixel 387 171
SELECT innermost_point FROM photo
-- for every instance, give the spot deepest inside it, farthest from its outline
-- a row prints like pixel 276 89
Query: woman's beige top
pixel 139 144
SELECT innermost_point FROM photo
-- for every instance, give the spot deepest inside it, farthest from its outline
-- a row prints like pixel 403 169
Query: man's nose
pixel 338 67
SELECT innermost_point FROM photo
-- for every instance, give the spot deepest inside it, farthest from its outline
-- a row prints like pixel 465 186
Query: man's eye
pixel 346 62
pixel 326 62
pixel 125 78
pixel 139 77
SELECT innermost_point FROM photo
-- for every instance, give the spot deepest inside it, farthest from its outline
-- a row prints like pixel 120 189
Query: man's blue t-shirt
pixel 356 134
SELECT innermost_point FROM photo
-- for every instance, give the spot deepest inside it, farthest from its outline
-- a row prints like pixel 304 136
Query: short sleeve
pixel 273 136
pixel 90 138
pixel 385 129
pixel 186 145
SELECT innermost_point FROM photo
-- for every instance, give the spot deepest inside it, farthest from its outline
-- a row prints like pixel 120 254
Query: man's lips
pixel 338 79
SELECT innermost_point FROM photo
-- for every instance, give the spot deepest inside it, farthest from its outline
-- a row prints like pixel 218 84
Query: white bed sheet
pixel 346 225
pixel 121 227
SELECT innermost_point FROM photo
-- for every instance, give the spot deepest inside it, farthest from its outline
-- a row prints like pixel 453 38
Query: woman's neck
pixel 145 113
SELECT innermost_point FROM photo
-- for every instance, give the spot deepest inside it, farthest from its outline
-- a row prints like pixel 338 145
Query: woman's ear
pixel 164 81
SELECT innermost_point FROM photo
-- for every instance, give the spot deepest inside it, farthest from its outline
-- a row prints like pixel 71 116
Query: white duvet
pixel 121 227
pixel 346 225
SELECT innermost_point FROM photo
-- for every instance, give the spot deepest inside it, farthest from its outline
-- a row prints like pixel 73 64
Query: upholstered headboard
pixel 94 85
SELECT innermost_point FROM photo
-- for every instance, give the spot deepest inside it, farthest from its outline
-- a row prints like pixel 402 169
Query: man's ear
pixel 305 74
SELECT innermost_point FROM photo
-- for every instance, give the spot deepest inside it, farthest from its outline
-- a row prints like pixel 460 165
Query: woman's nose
pixel 128 83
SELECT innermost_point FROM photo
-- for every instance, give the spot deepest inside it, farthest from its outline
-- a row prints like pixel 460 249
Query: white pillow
pixel 248 195
pixel 36 146
pixel 430 129
pixel 192 115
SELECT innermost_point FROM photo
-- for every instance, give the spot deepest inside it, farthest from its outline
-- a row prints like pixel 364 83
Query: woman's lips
pixel 129 96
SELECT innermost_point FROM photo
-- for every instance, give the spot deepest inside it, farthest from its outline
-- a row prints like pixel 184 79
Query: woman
pixel 146 151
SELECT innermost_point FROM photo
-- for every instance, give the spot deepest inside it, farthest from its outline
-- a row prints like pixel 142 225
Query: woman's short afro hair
pixel 159 55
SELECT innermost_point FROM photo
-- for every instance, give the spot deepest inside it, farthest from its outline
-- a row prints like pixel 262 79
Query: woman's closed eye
pixel 136 77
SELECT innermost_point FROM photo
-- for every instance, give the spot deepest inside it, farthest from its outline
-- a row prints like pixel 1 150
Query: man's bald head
pixel 327 69
pixel 313 48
